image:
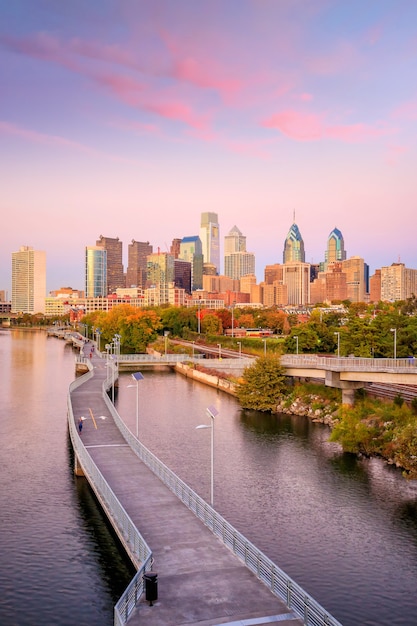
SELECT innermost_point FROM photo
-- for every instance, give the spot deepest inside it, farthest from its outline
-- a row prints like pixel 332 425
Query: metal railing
pixel 281 585
pixel 127 532
pixel 354 364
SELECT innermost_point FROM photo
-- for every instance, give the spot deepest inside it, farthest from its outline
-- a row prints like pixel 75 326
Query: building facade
pixel 115 274
pixel 95 272
pixel 210 239
pixel 137 251
pixel 191 250
pixel 28 281
pixel 294 246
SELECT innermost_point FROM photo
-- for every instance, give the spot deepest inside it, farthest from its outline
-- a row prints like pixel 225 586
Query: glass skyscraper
pixel 95 271
pixel 294 246
pixel 210 239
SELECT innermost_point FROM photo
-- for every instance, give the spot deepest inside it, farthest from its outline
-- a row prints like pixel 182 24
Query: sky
pixel 129 118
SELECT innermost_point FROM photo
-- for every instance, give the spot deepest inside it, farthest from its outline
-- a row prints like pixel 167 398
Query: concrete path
pixel 200 581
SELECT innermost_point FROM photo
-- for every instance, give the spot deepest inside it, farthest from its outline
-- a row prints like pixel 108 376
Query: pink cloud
pixel 295 125
pixel 312 127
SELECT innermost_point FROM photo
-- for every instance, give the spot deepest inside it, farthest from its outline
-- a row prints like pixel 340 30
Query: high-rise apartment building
pixel 138 251
pixel 294 246
pixel 28 281
pixel 210 239
pixel 95 272
pixel 115 276
pixel 191 250
pixel 398 282
pixel 182 275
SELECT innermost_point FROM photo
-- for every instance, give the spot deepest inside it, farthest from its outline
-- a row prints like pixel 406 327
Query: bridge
pixel 345 373
pixel 209 574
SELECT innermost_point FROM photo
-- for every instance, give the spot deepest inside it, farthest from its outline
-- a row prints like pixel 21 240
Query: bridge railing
pixel 301 603
pixel 349 363
pixel 122 523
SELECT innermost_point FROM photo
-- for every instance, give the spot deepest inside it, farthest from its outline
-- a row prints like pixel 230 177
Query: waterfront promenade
pixel 200 581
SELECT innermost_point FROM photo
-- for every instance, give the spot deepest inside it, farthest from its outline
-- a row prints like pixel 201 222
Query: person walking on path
pixel 80 425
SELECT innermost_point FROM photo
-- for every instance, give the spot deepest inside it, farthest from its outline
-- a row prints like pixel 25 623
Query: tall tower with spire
pixel 294 245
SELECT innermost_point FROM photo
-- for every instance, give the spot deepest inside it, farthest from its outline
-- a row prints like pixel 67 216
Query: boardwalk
pixel 200 581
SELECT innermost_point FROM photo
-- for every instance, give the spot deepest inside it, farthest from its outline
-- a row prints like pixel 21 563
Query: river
pixel 345 529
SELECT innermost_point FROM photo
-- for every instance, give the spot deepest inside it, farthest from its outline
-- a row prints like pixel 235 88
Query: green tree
pixel 263 384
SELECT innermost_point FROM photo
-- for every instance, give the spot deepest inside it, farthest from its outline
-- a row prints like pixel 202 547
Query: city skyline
pixel 131 119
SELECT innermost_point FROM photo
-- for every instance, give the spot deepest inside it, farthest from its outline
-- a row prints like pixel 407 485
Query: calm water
pixel 346 530
pixel 59 564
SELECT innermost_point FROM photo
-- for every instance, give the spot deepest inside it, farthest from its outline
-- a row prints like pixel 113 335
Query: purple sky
pixel 130 118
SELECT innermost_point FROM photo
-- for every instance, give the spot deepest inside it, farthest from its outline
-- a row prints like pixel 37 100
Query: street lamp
pixel 211 412
pixel 166 333
pixel 296 344
pixel 198 317
pixel 137 376
pixel 394 330
pixel 264 340
pixel 338 344
pixel 220 350
pixel 98 333
pixel 239 343
pixel 233 319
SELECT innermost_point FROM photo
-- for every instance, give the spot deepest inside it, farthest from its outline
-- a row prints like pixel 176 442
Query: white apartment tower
pixel 28 281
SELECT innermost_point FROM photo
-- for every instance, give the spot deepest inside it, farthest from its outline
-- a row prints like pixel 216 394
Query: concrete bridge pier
pixel 347 386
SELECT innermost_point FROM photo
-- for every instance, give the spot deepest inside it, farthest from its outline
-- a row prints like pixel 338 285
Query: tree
pixel 263 384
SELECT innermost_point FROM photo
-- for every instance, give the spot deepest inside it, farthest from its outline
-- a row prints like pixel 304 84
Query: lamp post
pixel 137 376
pixel 233 319
pixel 264 342
pixel 219 345
pixel 193 348
pixel 394 330
pixel 166 333
pixel 211 412
pixel 98 333
pixel 239 343
pixel 296 344
pixel 338 344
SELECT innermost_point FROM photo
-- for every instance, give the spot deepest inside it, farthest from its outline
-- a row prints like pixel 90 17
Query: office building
pixel 335 248
pixel 237 261
pixel 28 281
pixel 294 246
pixel 115 275
pixel 95 272
pixel 191 250
pixel 182 275
pixel 160 274
pixel 296 277
pixel 355 270
pixel 210 239
pixel 138 251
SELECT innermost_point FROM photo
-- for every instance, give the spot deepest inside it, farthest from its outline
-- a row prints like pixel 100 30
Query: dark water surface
pixel 344 529
pixel 59 564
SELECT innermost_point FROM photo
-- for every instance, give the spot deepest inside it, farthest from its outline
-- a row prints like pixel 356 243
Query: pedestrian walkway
pixel 199 580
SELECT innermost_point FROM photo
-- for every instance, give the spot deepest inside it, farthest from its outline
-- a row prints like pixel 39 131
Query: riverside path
pixel 199 580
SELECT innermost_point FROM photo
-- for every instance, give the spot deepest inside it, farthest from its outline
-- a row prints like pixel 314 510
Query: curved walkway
pixel 200 581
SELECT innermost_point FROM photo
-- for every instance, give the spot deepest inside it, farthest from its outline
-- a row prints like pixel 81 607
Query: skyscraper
pixel 335 248
pixel 191 250
pixel 115 275
pixel 95 271
pixel 237 261
pixel 136 263
pixel 294 246
pixel 210 239
pixel 234 242
pixel 28 281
